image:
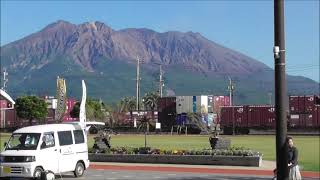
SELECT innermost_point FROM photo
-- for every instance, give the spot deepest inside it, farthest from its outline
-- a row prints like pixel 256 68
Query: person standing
pixel 294 172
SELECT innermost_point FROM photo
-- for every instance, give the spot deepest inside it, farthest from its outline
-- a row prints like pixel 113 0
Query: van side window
pixel 47 140
pixel 65 138
pixel 78 136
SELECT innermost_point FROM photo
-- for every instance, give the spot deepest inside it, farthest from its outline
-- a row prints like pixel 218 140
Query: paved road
pixel 92 174
pixel 147 175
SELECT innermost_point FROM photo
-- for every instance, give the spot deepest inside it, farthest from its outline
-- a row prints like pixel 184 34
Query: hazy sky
pixel 245 26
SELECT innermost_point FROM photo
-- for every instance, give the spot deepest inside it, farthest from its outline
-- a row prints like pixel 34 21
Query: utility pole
pixel 138 85
pixel 160 81
pixel 280 90
pixel 231 89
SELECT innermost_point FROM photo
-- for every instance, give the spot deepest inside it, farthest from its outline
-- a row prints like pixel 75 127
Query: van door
pixel 80 147
pixel 66 152
pixel 48 155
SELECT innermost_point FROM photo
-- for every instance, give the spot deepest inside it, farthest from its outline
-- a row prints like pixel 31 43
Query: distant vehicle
pixel 58 148
pixel 94 126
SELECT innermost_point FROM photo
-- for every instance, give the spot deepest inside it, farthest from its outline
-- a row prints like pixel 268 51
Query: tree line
pixel 35 108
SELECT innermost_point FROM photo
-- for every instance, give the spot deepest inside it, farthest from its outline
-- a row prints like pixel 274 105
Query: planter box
pixel 179 159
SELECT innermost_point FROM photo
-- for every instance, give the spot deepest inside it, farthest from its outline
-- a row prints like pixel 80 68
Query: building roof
pixel 6 96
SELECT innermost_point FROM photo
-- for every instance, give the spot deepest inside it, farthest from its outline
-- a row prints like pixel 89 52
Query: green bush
pixel 233 151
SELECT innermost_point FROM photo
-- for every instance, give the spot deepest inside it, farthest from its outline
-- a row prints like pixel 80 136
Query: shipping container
pixel 302 104
pixel 294 121
pixel 294 104
pixel 200 104
pixel 261 116
pixel 184 104
pixel 204 105
pixel 308 120
pixel 226 116
pixel 316 116
pixel 167 119
pixel 194 104
pixel 241 116
pixel 309 103
pixel 238 114
pixel 167 104
pixel 210 104
pixel 125 119
pixel 219 101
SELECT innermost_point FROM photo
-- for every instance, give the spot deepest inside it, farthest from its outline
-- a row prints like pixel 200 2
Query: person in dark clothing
pixel 294 172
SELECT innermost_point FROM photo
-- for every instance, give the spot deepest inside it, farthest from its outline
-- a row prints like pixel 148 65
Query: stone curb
pixel 254 161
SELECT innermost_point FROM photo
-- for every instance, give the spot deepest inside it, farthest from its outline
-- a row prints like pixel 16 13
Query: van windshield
pixel 23 141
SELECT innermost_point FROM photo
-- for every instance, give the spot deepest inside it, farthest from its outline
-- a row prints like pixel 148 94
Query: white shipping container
pixel 204 104
pixel 184 104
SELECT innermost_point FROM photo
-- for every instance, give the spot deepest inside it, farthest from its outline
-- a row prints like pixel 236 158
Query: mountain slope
pixel 106 59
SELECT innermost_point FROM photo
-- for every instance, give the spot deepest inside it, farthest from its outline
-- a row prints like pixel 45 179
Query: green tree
pixel 31 107
pixel 94 110
pixel 150 100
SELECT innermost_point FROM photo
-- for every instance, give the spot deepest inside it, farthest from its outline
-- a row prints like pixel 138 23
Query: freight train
pixel 303 114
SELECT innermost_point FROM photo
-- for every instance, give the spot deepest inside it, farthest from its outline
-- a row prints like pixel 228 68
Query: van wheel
pixel 79 170
pixel 37 173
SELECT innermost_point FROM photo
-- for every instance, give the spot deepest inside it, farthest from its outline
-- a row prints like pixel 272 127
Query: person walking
pixel 294 172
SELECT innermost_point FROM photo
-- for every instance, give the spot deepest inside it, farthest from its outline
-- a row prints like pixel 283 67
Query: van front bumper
pixel 17 169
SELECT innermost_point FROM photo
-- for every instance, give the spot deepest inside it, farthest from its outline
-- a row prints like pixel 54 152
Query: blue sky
pixel 246 26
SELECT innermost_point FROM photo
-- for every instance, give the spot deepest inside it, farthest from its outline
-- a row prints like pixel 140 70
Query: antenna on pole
pixel 138 85
pixel 231 89
pixel 270 98
pixel 161 81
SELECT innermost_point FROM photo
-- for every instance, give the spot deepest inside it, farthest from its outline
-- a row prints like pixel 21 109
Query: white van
pixel 57 148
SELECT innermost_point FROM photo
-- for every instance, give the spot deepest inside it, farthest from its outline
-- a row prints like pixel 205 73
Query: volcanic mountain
pixel 106 59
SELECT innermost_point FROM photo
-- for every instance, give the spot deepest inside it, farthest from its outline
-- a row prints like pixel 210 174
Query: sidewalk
pixel 265 170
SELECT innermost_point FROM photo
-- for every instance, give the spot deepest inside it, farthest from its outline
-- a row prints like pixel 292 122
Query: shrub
pixel 233 151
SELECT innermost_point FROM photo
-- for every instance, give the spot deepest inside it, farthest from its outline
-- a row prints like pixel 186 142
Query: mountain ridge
pixel 88 49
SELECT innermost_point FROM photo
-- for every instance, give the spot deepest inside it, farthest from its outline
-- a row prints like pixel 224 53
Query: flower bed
pixel 233 156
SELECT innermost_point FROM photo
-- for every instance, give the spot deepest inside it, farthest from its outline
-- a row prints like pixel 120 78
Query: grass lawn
pixel 308 146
